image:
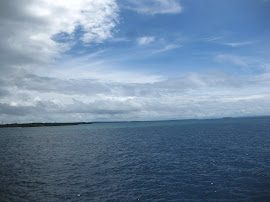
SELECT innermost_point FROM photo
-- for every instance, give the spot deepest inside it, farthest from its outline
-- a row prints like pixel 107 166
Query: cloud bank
pixel 190 95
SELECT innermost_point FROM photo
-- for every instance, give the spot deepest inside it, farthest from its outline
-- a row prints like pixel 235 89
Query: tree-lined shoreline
pixel 41 124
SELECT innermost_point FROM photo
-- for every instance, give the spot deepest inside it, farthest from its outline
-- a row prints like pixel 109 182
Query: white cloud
pixel 153 7
pixel 222 41
pixel 189 95
pixel 28 27
pixel 265 67
pixel 214 38
pixel 242 98
pixel 166 48
pixel 237 44
pixel 103 66
pixel 232 59
pixel 96 18
pixel 155 103
pixel 146 40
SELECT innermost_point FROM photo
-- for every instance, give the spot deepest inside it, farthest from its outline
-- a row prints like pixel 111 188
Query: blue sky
pixel 134 60
pixel 188 40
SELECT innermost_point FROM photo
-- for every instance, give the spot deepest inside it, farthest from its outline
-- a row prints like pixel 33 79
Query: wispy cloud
pixel 153 7
pixel 214 38
pixel 233 59
pixel 146 40
pixel 265 67
pixel 236 44
pixel 166 48
pixel 120 39
pixel 222 40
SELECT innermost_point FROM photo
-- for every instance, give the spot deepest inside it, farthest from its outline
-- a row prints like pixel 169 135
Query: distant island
pixel 41 124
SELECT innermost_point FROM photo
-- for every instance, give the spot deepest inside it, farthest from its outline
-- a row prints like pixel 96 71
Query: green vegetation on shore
pixel 41 124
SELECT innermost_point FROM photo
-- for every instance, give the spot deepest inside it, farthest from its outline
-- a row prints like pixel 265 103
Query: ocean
pixel 191 160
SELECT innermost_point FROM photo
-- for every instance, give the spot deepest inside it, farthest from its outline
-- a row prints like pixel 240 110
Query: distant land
pixel 41 124
pixel 97 122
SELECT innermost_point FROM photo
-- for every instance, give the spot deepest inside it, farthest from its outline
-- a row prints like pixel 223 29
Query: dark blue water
pixel 150 161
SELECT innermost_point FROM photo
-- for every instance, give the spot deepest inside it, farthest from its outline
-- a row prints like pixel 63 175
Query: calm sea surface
pixel 225 160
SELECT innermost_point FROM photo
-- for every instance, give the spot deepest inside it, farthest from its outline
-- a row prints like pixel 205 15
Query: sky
pixel 133 60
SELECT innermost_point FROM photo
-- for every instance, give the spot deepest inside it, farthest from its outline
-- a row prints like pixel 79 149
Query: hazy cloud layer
pixel 212 94
pixel 153 7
